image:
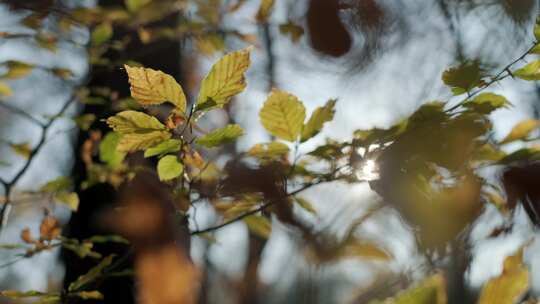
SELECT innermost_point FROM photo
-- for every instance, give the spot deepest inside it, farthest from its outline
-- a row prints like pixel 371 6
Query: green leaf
pixel 430 291
pixel 138 130
pixel 17 69
pixel 209 104
pixel 70 199
pixel 282 115
pixel 151 87
pixel 521 130
pixel 81 249
pixel 5 90
pixel 220 136
pixel 305 204
pixel 315 123
pixel 101 34
pixel 107 239
pixel 486 103
pixel 135 5
pixel 264 10
pixel 22 149
pixel 226 78
pixel 269 150
pixel 169 168
pixel 88 295
pixel 464 77
pixel 61 183
pixel 166 147
pixel 535 49
pixel 92 274
pixel 510 286
pixel 260 226
pixel 85 121
pixel 108 152
pixel 529 72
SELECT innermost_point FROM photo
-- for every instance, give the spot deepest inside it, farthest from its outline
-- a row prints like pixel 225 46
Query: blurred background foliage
pixel 248 192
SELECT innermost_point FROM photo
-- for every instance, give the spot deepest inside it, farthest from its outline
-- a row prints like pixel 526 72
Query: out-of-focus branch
pixel 265 205
pixel 4 212
pixel 270 61
pixel 22 113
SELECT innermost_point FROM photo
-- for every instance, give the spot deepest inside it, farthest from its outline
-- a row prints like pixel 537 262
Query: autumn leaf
pixel 315 123
pixel 521 130
pixel 22 149
pixel 510 286
pixel 5 90
pixel 530 71
pixel 282 115
pixel 430 291
pixel 464 77
pixel 259 225
pixel 151 87
pixel 138 130
pixel 268 150
pixel 226 78
pixel 17 69
pixel 265 9
pixel 486 103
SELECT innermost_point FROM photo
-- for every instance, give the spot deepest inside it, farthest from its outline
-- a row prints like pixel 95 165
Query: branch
pixel 498 77
pixel 4 212
pixel 21 113
pixel 254 211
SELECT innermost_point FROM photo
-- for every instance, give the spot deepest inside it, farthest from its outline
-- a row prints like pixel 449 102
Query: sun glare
pixel 368 170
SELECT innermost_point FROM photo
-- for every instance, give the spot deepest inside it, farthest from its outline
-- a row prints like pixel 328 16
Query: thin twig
pixel 498 77
pixel 4 212
pixel 22 113
pixel 254 211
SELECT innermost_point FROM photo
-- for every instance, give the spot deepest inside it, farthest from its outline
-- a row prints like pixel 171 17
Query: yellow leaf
pixel 283 115
pixel 5 90
pixel 138 130
pixel 521 130
pixel 70 199
pixel 510 286
pixel 271 149
pixel 225 79
pixel 264 10
pixel 22 149
pixel 260 226
pixel 317 120
pixel 430 291
pixel 151 87
pixel 17 69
